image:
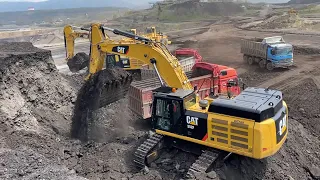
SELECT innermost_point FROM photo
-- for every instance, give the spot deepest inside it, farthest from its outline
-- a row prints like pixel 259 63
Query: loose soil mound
pixel 36 105
pixel 282 21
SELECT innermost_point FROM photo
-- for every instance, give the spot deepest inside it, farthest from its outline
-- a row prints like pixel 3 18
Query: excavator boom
pixel 80 60
pixel 149 52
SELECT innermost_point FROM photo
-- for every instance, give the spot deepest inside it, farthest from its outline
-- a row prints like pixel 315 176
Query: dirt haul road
pixel 36 107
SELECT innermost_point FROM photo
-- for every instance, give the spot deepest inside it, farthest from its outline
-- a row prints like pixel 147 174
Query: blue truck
pixel 271 52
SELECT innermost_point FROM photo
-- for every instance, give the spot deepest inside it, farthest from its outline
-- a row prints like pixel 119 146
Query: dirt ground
pixel 36 105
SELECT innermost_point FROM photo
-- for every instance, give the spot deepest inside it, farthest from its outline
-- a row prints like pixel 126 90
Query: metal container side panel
pixel 205 82
pixel 143 110
pixel 253 48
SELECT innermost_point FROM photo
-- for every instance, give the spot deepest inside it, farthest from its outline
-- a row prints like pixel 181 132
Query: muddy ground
pixel 36 104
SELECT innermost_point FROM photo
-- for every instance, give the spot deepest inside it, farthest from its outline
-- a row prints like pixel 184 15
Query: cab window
pixel 176 112
pixel 163 115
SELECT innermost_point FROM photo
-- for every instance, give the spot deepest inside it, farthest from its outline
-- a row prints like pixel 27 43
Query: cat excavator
pixel 80 60
pixel 253 124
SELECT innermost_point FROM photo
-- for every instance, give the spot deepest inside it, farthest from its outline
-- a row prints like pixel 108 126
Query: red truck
pixel 188 52
pixel 210 79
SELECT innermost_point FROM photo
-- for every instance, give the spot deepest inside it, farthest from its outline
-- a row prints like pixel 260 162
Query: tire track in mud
pixel 316 80
pixel 289 79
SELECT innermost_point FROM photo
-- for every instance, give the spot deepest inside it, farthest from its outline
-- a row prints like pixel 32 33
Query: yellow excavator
pixel 253 124
pixel 152 33
pixel 81 60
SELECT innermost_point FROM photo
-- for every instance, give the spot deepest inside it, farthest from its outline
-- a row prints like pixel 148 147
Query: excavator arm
pixel 166 65
pixel 80 60
pixel 70 35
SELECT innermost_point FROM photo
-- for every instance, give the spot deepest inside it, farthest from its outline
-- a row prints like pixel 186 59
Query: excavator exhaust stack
pixel 101 89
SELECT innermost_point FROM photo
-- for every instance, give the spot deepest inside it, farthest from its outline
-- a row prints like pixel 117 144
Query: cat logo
pixel 192 121
pixel 121 50
pixel 282 125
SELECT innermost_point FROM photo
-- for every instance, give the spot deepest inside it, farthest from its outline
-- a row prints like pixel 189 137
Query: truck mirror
pixel 231 83
pixel 273 52
pixel 195 88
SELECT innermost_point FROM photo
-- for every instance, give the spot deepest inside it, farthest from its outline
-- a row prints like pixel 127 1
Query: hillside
pixel 59 17
pixel 303 1
pixel 185 11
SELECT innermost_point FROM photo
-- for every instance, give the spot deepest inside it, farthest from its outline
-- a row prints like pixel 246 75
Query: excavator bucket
pixel 101 89
pixel 78 62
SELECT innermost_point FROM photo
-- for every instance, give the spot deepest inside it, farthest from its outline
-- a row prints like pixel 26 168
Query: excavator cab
pixel 113 60
pixel 169 108
pixel 151 30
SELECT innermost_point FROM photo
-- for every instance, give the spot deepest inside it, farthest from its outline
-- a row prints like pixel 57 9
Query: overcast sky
pixel 273 1
pixel 22 0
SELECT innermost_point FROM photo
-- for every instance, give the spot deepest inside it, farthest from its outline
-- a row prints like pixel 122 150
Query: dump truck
pixel 271 52
pixel 208 79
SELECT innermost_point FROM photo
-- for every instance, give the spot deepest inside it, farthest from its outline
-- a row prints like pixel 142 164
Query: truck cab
pixel 280 54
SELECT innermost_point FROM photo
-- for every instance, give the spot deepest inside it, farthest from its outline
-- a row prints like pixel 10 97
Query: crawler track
pixel 203 163
pixel 145 148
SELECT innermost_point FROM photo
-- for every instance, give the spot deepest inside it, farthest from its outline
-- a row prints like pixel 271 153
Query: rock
pixel 212 175
pixel 110 111
pixel 123 169
pixel 315 172
pixel 290 178
pixel 301 110
pixel 145 170
pixel 150 133
pixel 153 165
pixel 166 161
pixel 100 162
pixel 177 166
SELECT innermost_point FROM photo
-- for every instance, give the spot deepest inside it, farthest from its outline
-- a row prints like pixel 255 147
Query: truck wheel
pixel 245 58
pixel 250 60
pixel 262 64
pixel 269 66
pixel 257 60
